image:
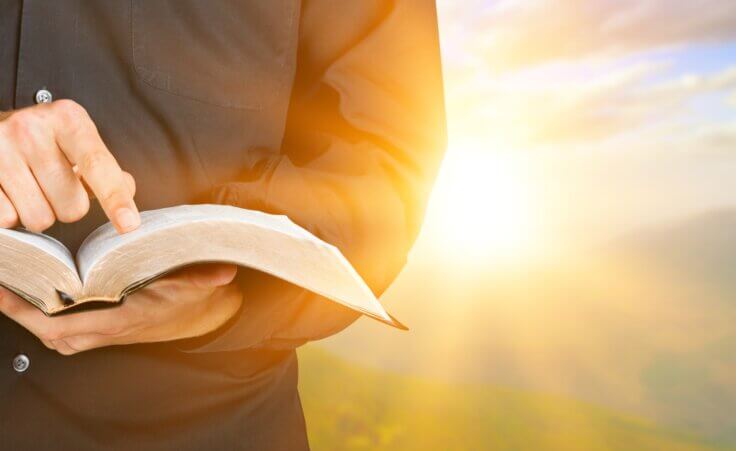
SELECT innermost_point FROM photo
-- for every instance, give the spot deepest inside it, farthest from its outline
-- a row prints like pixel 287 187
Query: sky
pixel 565 247
pixel 572 122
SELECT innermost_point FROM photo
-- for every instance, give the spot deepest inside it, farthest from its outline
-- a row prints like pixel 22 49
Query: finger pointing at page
pixel 49 154
pixel 78 138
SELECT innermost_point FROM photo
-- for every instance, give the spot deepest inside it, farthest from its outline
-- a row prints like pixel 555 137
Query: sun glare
pixel 481 205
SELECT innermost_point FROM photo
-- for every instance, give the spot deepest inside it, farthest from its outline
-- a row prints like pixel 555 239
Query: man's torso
pixel 180 92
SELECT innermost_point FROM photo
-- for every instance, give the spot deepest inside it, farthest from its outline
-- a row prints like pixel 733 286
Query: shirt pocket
pixel 228 53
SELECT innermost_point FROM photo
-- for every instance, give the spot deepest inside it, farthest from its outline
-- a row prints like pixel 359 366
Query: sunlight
pixel 481 205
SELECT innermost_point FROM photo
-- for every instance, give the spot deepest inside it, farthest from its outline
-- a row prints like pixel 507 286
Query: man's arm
pixel 364 139
pixel 188 303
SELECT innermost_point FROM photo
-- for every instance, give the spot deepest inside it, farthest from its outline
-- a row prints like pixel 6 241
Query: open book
pixel 110 266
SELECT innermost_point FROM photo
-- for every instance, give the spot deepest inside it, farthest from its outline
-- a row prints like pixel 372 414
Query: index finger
pixel 80 141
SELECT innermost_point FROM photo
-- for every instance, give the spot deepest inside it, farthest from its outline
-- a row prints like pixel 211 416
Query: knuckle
pixel 20 124
pixel 8 218
pixel 51 168
pixel 70 111
pixel 40 220
pixel 50 171
pixel 111 197
pixel 93 161
pixel 75 211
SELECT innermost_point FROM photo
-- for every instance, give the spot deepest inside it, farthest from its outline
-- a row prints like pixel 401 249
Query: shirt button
pixel 44 96
pixel 21 362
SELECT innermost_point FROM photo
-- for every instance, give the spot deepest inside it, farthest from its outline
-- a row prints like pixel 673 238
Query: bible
pixel 110 266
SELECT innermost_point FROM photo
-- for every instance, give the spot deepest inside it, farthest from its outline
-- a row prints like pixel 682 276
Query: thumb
pixel 9 301
pixel 211 275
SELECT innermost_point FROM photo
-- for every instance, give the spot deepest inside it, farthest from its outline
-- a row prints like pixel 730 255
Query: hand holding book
pixel 189 303
pixel 110 267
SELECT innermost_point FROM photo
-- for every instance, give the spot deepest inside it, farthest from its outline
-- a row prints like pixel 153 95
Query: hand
pixel 186 304
pixel 40 146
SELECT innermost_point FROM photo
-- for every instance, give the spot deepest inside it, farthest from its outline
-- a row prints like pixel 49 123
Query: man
pixel 327 111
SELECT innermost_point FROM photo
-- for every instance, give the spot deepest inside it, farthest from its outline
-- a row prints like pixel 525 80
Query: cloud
pixel 521 33
pixel 560 107
pixel 533 73
pixel 623 118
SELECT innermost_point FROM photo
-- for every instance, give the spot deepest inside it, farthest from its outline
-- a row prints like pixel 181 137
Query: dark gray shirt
pixel 329 112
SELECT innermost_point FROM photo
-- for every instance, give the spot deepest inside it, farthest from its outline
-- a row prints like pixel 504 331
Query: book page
pixel 105 239
pixel 43 242
pixel 112 265
pixel 37 268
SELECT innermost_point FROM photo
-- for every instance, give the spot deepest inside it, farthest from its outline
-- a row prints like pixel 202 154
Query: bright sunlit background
pixel 482 205
pixel 573 285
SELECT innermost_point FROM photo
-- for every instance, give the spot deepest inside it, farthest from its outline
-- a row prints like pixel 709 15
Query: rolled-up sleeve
pixel 364 138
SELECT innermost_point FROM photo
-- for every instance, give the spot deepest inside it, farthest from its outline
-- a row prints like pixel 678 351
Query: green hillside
pixel 349 407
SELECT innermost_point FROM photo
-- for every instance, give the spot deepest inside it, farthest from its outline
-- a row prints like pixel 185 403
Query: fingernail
pixel 127 219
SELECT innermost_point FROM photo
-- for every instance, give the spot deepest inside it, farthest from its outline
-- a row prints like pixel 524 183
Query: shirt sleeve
pixel 364 138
